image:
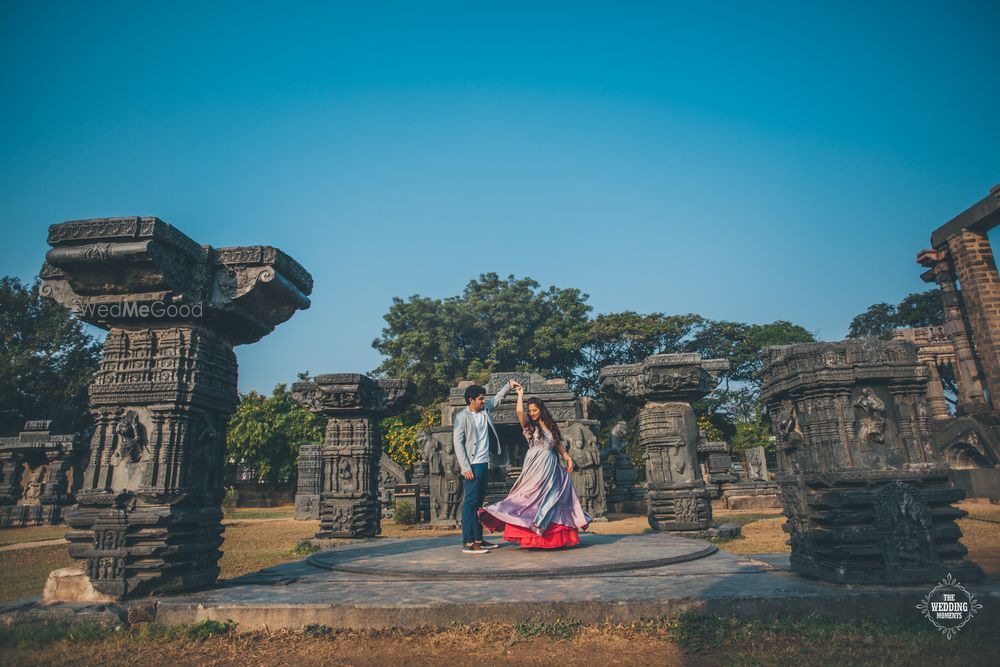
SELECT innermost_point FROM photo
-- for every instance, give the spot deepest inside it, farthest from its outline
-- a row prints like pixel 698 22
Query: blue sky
pixel 749 161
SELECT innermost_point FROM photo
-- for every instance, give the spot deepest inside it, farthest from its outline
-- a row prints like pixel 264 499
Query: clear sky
pixel 749 161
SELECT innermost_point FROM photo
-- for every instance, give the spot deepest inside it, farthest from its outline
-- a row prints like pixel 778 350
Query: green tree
pixel 47 359
pixel 265 433
pixel 737 399
pixel 922 309
pixel 495 324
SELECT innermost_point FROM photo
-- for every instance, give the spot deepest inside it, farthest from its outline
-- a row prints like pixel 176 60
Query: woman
pixel 542 510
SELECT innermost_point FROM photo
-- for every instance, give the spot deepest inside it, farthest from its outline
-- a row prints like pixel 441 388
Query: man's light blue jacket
pixel 464 432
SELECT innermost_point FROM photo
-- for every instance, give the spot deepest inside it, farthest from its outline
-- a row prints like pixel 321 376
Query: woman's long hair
pixel 545 417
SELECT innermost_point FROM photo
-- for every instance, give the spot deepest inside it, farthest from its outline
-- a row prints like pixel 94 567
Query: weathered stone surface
pixel 867 498
pixel 39 475
pixel 71 584
pixel 580 442
pixel 148 516
pixel 624 495
pixel 969 341
pixel 353 405
pixel 310 482
pixel 677 497
pixel 445 478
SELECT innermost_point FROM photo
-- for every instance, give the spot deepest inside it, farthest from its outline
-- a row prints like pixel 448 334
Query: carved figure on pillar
pixel 445 477
pixel 164 390
pixel 668 433
pixel 453 488
pixel 353 404
pixel 867 499
pixel 588 471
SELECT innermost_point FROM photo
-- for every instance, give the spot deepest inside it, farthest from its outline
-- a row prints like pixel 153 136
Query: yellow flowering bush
pixel 399 439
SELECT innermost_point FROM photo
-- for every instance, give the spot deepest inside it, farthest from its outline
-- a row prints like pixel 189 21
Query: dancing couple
pixel 542 510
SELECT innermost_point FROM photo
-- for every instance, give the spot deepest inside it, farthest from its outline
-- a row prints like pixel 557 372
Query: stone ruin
pixel 867 499
pixel 578 430
pixel 668 433
pixel 969 342
pixel 39 475
pixel 624 494
pixel 444 478
pixel 148 517
pixel 348 472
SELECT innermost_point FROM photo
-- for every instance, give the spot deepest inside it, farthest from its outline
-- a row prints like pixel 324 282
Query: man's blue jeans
pixel 475 493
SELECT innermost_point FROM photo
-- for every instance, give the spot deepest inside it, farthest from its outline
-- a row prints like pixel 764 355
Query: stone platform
pixel 392 583
pixel 441 558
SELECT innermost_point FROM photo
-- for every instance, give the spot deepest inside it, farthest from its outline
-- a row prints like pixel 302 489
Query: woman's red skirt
pixel 554 537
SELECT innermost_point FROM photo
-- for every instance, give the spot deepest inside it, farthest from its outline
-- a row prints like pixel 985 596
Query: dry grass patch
pixel 759 537
pixel 30 534
pixel 687 639
pixel 249 547
pixel 23 571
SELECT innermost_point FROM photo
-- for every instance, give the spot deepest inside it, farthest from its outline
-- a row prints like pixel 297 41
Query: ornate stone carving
pixel 756 461
pixel 867 499
pixel 353 405
pixel 588 472
pixel 668 433
pixel 445 478
pixel 39 475
pixel 310 482
pixel 164 390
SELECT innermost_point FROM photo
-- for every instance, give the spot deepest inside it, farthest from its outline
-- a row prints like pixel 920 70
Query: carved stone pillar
pixel 867 498
pixel 310 484
pixel 148 516
pixel 668 434
pixel 353 405
pixel 971 394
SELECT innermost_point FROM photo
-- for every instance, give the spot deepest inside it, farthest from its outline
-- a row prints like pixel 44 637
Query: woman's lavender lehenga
pixel 542 509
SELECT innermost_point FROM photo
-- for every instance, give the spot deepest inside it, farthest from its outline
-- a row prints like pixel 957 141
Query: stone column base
pixel 865 527
pixel 152 549
pixel 676 509
pixel 352 516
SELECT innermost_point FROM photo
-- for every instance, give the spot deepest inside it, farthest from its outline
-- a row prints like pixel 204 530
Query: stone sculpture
pixel 148 517
pixel 588 471
pixel 756 464
pixel 868 500
pixel 353 404
pixel 668 433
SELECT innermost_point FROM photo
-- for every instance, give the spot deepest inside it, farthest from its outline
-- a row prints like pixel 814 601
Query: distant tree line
pixel 47 359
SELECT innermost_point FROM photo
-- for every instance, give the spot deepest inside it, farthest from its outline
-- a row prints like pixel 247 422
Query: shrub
pixel 403 513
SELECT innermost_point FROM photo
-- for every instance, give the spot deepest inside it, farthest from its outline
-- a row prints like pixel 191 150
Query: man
pixel 471 439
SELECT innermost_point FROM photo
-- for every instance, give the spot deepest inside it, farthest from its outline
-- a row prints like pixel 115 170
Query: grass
pixel 684 639
pixel 257 513
pixel 23 571
pixel 30 534
pixel 250 547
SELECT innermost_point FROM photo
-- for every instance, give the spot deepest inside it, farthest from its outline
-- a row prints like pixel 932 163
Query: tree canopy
pixel 922 309
pixel 511 324
pixel 47 359
pixel 265 433
pixel 495 324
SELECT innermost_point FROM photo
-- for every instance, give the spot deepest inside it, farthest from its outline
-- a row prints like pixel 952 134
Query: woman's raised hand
pixel 516 386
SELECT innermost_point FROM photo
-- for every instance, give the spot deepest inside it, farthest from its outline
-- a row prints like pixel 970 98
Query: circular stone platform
pixel 442 557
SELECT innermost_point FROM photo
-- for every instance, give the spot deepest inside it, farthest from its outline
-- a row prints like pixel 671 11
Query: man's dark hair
pixel 474 392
